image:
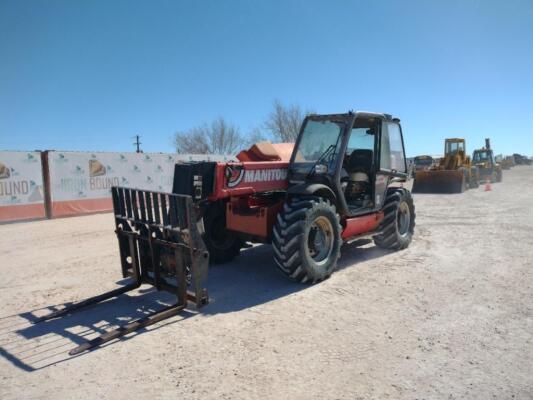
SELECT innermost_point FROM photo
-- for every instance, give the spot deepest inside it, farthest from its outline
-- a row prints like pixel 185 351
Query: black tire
pixel 499 176
pixel 463 185
pixel 397 227
pixel 223 245
pixel 303 225
pixel 474 180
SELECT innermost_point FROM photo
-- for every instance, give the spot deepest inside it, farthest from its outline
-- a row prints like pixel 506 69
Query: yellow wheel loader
pixel 484 160
pixel 453 174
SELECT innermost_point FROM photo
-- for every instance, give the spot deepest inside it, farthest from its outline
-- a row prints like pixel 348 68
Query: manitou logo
pixel 265 175
pixel 234 175
pixel 237 174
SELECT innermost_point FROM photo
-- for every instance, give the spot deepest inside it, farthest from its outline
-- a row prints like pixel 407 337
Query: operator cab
pixel 454 146
pixel 483 156
pixel 358 164
pixel 422 162
pixel 352 155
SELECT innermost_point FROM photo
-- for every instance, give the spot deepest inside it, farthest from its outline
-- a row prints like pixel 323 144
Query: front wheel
pixel 463 185
pixel 307 239
pixel 223 245
pixel 397 227
pixel 474 179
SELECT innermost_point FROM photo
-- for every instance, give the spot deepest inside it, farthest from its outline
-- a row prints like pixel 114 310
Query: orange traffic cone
pixel 488 188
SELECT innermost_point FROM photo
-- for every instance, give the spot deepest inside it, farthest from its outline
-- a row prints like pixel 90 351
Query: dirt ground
pixel 451 317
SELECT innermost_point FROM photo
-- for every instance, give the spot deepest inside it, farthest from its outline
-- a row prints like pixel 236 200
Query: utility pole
pixel 138 143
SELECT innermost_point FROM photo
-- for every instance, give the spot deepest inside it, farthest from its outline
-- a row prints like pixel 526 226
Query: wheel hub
pixel 403 219
pixel 320 240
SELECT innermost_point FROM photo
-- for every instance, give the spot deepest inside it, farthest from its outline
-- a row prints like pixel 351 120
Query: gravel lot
pixel 451 317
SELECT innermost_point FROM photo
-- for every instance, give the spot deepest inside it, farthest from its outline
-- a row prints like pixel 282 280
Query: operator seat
pixel 360 160
pixel 357 179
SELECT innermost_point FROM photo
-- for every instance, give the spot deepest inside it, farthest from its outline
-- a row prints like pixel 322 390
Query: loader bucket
pixel 439 181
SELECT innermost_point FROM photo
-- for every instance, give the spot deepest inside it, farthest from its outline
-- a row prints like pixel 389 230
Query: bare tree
pixel 284 121
pixel 224 138
pixel 256 136
pixel 192 141
pixel 220 137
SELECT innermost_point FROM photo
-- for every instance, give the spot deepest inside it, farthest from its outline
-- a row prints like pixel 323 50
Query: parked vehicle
pixel 338 182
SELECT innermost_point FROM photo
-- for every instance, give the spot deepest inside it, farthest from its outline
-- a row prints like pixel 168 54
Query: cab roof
pixel 362 114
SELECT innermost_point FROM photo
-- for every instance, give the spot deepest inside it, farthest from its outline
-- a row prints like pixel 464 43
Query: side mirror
pixel 321 169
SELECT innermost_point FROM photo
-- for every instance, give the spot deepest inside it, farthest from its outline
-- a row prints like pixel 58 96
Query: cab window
pixel 481 156
pixel 454 147
pixel 361 138
pixel 392 152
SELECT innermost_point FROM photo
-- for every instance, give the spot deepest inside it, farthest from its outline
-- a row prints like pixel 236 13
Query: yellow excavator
pixel 453 174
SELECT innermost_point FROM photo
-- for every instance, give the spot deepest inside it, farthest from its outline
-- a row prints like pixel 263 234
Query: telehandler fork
pixel 159 245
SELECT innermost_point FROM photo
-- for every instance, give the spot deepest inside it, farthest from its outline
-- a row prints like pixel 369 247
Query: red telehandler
pixel 336 184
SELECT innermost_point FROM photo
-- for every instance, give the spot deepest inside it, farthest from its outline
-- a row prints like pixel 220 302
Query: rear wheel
pixel 307 239
pixel 223 245
pixel 398 224
pixel 499 175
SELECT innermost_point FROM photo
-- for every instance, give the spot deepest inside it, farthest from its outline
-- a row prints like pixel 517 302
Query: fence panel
pixel 21 186
pixel 81 181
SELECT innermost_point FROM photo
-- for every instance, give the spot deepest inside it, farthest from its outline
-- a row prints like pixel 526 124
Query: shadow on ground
pixel 250 280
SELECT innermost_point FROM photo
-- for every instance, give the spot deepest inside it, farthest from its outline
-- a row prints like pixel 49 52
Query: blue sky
pixel 89 75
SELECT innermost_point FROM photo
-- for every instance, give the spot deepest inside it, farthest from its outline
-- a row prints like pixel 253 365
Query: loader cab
pixel 349 158
pixel 484 157
pixel 454 146
pixel 423 162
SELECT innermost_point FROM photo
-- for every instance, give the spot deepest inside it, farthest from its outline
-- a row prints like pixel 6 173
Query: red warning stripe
pixel 21 212
pixel 79 207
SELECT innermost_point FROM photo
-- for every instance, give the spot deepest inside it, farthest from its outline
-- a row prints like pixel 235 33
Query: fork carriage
pixel 160 245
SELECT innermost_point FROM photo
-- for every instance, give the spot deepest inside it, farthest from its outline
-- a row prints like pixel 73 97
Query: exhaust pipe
pixel 487 143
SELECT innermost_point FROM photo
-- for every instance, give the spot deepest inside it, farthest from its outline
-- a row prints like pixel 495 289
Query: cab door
pixel 392 164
